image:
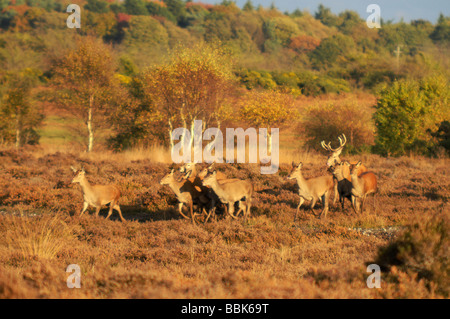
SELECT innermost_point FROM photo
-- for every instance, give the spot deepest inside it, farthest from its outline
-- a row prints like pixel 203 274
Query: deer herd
pixel 207 193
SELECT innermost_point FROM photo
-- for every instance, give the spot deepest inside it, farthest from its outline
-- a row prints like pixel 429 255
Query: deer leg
pixel 97 210
pixel 354 203
pixel 363 200
pixel 313 203
pixel 111 205
pixel 85 206
pixel 180 210
pixel 336 193
pixel 325 205
pixel 117 207
pixel 231 210
pixel 249 206
pixel 302 200
pixel 191 209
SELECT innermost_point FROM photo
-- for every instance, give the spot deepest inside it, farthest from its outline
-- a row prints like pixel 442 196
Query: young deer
pixel 344 186
pixel 231 191
pixel 196 178
pixel 98 195
pixel 186 194
pixel 363 185
pixel 211 169
pixel 313 189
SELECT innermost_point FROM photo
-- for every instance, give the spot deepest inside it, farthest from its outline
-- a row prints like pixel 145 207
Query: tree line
pixel 146 67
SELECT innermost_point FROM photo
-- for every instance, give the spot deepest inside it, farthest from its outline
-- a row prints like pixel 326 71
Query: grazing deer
pixel 97 195
pixel 231 191
pixel 313 189
pixel 363 185
pixel 334 159
pixel 186 194
pixel 344 186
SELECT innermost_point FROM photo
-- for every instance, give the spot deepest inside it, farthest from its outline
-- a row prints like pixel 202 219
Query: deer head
pixel 333 158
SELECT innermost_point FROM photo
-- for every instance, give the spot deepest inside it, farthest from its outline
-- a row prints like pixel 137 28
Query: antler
pixel 325 146
pixel 342 141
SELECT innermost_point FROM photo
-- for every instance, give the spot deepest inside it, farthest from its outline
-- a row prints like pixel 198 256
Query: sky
pixel 390 9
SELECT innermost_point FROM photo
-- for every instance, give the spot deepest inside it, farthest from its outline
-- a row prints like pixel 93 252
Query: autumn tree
pixel 20 115
pixel 267 109
pixel 84 83
pixel 304 43
pixel 193 85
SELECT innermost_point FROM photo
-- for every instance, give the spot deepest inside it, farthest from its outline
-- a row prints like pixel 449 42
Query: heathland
pixel 106 96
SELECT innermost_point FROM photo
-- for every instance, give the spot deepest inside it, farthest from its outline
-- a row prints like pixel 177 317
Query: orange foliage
pixel 304 43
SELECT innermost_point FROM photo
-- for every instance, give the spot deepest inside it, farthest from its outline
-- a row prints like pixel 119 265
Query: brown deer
pixel 97 195
pixel 186 193
pixel 191 173
pixel 313 189
pixel 231 191
pixel 209 170
pixel 334 159
pixel 344 186
pixel 362 185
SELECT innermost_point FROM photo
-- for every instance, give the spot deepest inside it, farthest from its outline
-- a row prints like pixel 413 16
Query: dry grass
pixel 156 254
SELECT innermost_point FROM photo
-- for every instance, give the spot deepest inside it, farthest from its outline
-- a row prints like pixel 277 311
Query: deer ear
pixel 358 164
pixel 300 165
pixel 293 164
pixel 73 169
pixel 347 163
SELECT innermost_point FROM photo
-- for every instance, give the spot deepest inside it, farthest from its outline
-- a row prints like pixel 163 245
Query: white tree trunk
pixel 170 137
pixel 17 133
pixel 89 126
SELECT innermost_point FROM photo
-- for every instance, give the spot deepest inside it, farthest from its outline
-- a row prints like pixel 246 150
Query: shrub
pixel 422 250
pixel 348 117
pixel 405 111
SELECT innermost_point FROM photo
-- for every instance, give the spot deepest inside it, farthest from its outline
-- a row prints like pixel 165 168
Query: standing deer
pixel 313 189
pixel 334 159
pixel 97 195
pixel 186 194
pixel 363 185
pixel 344 186
pixel 196 178
pixel 231 191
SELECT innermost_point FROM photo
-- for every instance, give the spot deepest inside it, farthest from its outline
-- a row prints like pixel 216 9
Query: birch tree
pixel 193 85
pixel 84 84
pixel 20 115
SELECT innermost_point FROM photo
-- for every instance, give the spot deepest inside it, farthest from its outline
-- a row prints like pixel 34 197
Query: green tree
pixel 400 113
pixel 178 10
pixel 441 32
pixel 325 16
pixel 97 6
pixel 135 7
pixel 248 6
